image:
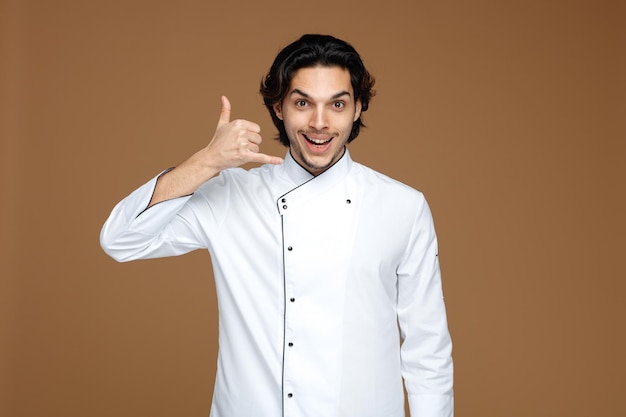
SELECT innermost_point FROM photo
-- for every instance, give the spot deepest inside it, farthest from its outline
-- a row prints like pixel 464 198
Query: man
pixel 326 271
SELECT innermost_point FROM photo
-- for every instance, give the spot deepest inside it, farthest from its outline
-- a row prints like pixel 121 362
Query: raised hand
pixel 236 142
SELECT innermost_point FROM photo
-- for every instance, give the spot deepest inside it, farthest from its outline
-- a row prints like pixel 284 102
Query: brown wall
pixel 509 115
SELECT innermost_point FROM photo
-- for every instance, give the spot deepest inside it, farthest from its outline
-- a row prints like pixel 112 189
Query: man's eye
pixel 300 103
pixel 339 104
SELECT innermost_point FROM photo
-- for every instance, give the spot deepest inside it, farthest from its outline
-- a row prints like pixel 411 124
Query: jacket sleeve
pixel 426 351
pixel 169 228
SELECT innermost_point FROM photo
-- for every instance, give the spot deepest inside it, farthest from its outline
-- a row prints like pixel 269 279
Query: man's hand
pixel 234 143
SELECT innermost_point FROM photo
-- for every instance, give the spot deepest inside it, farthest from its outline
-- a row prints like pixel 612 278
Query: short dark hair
pixel 310 51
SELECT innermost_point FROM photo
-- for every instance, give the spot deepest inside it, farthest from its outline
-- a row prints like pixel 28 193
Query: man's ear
pixel 278 110
pixel 357 112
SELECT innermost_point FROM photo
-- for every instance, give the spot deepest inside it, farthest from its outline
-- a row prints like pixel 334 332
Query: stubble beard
pixel 311 166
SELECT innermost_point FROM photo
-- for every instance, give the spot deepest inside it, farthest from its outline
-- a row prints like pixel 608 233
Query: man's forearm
pixel 182 180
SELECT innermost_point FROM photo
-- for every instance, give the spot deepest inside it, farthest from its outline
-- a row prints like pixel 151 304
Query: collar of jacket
pixel 306 186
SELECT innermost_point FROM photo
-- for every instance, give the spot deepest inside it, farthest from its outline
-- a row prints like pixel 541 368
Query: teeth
pixel 317 141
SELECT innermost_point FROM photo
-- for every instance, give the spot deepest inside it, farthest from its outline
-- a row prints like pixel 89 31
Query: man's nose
pixel 319 119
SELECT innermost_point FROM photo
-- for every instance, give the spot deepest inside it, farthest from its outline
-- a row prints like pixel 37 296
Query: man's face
pixel 318 112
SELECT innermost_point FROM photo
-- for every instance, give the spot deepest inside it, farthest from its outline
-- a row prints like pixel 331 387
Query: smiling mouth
pixel 317 141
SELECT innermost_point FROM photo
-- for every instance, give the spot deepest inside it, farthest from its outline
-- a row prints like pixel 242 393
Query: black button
pixel 285 206
pixel 289 248
pixel 292 299
pixel 290 395
pixel 348 201
pixel 290 344
pixel 284 200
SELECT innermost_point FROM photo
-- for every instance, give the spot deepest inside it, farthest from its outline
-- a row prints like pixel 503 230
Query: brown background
pixel 508 115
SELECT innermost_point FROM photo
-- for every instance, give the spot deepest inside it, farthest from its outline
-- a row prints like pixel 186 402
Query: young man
pixel 326 271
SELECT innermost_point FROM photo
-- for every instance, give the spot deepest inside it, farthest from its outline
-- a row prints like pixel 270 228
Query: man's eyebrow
pixel 298 91
pixel 305 95
pixel 341 94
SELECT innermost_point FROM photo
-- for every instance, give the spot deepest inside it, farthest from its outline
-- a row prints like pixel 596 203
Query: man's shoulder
pixel 383 183
pixel 240 178
pixel 244 174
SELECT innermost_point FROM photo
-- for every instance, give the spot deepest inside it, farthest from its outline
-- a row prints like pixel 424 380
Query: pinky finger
pixel 266 159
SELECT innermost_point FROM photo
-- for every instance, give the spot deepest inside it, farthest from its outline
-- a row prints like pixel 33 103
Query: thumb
pixel 225 113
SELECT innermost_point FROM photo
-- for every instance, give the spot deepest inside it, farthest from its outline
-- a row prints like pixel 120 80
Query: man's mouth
pixel 318 141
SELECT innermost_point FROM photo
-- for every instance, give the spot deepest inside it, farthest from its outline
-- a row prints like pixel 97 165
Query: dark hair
pixel 310 51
